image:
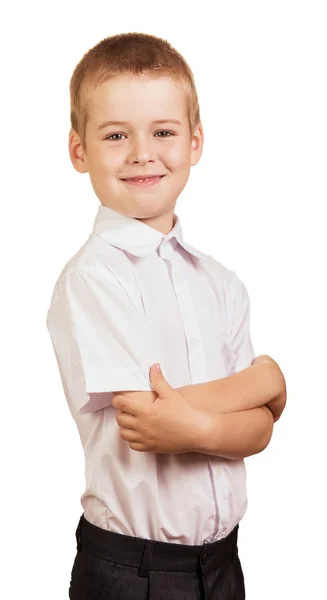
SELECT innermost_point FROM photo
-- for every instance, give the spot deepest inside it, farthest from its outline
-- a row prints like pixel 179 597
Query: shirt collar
pixel 136 237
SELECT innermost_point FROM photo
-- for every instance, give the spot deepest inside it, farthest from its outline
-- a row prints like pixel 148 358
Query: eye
pixel 111 136
pixel 169 133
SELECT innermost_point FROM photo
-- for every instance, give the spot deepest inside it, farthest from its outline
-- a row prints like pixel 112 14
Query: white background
pixel 256 202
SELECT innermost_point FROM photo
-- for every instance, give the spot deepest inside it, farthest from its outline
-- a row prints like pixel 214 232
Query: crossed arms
pixel 232 417
pixel 244 408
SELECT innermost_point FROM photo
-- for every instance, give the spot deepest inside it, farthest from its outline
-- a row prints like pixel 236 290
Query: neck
pixel 162 223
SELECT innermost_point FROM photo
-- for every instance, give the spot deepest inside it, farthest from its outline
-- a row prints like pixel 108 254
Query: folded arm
pixel 243 409
pixel 237 435
pixel 261 384
pixel 234 421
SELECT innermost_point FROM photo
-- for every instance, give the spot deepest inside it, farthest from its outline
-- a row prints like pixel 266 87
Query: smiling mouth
pixel 145 182
pixel 143 178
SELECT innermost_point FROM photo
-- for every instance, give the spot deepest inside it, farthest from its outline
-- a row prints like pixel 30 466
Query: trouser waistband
pixel 150 555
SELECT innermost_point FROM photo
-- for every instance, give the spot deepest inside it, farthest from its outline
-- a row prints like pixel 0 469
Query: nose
pixel 142 151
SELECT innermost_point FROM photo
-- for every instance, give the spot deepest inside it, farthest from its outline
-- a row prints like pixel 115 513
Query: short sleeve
pixel 100 340
pixel 239 315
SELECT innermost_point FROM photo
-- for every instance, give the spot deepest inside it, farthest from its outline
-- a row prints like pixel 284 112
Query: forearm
pixel 238 434
pixel 260 384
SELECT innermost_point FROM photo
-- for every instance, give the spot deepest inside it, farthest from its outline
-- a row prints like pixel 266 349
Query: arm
pixel 170 423
pixel 260 384
pixel 238 434
pixel 100 341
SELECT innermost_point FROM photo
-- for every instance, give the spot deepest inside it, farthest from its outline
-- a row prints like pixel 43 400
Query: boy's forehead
pixel 126 96
pixel 141 80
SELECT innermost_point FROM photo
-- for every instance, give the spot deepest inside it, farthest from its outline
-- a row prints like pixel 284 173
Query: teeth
pixel 146 179
pixel 142 179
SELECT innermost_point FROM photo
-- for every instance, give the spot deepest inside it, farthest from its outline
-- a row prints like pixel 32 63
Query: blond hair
pixel 136 53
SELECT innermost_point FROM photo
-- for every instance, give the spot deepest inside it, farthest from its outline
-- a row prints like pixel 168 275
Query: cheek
pixel 178 155
pixel 178 158
pixel 104 161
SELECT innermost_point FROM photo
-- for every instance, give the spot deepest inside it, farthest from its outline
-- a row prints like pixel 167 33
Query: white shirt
pixel 130 297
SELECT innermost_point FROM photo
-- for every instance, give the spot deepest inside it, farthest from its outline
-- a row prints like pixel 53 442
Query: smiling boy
pixel 165 475
pixel 107 155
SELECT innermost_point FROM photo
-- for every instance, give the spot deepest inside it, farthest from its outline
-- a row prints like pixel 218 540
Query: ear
pixel 197 144
pixel 77 152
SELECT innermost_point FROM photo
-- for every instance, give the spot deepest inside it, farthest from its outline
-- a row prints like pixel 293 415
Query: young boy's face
pixel 138 147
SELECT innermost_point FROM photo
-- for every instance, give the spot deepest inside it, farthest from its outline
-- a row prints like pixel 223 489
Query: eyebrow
pixel 159 121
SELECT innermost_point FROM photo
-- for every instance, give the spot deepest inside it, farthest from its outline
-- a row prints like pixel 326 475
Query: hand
pixel 165 422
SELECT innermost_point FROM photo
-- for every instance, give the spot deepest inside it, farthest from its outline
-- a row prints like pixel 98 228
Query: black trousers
pixel 111 566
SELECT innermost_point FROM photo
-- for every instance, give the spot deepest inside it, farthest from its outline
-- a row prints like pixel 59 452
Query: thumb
pixel 158 382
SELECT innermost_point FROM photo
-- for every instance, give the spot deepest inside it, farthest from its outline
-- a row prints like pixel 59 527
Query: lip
pixel 142 177
pixel 151 181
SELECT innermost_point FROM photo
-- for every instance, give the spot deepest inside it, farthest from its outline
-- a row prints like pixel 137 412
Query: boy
pixel 165 477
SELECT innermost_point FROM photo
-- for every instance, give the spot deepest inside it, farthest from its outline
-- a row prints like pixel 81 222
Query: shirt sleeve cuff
pixel 100 384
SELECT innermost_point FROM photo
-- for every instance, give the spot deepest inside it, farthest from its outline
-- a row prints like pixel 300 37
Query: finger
pixel 139 447
pixel 133 405
pixel 124 404
pixel 129 435
pixel 117 400
pixel 125 420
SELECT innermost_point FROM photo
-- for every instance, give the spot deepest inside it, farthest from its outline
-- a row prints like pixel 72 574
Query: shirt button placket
pixel 198 369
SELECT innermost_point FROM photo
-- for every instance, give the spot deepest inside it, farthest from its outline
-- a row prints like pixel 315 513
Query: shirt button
pixel 218 471
pixel 179 277
pixel 194 343
pixel 205 558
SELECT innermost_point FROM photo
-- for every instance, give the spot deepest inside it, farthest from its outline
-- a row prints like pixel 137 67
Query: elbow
pixel 268 428
pixel 267 439
pixel 278 403
pixel 262 437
